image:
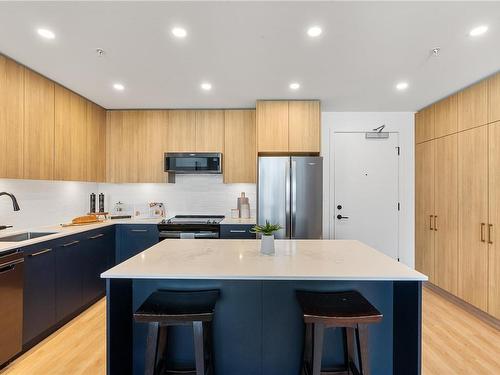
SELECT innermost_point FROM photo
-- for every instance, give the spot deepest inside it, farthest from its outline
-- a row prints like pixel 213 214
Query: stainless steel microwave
pixel 193 162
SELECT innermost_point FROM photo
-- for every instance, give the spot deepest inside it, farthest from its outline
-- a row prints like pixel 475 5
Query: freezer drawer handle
pixel 41 252
pixel 342 217
pixel 10 266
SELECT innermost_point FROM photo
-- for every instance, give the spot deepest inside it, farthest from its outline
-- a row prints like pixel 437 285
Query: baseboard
pixel 480 314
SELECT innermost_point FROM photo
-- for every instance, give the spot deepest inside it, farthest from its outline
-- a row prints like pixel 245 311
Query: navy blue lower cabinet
pixel 39 289
pixel 236 231
pixel 133 239
pixel 98 249
pixel 69 273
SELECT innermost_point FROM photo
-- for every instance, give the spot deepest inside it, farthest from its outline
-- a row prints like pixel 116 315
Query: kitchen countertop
pixel 229 220
pixel 241 260
pixel 60 231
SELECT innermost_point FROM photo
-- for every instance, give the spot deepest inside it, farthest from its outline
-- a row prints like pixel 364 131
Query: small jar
pixel 235 213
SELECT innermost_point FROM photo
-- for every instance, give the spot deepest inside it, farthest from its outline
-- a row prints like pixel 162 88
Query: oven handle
pixel 177 234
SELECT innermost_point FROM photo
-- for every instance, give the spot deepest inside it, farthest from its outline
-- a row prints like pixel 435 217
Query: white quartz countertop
pixel 59 231
pixel 229 220
pixel 241 259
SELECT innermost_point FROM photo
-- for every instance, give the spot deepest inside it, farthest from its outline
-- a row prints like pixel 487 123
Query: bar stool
pixel 165 308
pixel 347 310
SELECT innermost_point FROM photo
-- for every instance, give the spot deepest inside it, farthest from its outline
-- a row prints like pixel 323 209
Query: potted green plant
pixel 267 240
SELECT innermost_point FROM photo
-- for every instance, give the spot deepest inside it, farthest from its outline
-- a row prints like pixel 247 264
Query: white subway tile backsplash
pixel 53 202
pixel 200 194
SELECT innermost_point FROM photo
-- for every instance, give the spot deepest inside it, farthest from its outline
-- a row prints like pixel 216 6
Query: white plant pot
pixel 267 245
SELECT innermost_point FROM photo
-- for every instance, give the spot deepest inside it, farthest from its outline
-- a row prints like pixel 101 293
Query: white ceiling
pixel 251 50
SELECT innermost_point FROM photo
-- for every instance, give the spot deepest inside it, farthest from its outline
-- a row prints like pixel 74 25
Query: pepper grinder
pixel 101 202
pixel 92 203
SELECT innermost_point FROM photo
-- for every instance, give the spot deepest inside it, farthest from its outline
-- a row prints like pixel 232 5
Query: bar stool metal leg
pixel 319 330
pixel 151 349
pixel 362 338
pixel 199 347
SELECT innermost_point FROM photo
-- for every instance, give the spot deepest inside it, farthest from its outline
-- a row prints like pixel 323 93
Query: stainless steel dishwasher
pixel 11 304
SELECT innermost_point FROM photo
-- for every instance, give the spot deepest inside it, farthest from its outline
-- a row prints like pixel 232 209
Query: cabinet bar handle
pixel 435 223
pixel 237 231
pixel 70 243
pixel 139 230
pixel 483 225
pixel 430 222
pixel 96 236
pixel 40 252
pixel 490 233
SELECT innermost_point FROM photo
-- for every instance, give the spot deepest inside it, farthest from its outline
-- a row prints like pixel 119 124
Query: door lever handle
pixel 342 217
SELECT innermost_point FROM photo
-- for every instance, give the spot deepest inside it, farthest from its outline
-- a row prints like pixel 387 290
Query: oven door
pixel 193 163
pixel 188 235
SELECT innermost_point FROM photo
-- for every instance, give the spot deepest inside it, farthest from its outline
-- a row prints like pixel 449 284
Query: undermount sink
pixel 24 236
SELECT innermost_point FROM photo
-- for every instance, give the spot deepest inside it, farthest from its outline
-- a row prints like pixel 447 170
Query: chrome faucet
pixel 14 205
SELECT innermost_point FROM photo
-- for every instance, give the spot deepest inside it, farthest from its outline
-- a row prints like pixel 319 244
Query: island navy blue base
pixel 258 326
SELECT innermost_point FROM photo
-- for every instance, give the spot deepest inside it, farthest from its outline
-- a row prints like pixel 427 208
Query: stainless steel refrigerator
pixel 290 192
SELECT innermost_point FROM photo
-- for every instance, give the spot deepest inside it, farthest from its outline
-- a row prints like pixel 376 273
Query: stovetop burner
pixel 194 219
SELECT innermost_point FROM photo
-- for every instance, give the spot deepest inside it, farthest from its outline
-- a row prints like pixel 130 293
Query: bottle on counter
pixel 243 200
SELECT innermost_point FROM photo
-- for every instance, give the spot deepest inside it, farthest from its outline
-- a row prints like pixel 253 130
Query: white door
pixel 366 192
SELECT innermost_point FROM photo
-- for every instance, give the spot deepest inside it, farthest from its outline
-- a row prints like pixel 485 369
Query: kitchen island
pixel 258 324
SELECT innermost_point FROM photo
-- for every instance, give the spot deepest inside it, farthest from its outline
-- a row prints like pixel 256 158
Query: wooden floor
pixel 454 343
pixel 78 348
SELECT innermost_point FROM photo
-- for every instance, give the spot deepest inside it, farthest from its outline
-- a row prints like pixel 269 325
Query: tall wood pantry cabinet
pixel 457 194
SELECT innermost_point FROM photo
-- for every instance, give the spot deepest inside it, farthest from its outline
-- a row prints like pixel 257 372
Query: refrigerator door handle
pixel 294 198
pixel 287 200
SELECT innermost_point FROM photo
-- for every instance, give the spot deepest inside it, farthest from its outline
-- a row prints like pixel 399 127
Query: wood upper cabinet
pixel 494 220
pixel 182 131
pixel 152 142
pixel 424 124
pixel 39 123
pixel 71 148
pixel 446 213
pixel 209 131
pixel 136 142
pixel 11 118
pixel 96 145
pixel 122 146
pixel 304 126
pixel 446 116
pixel 272 125
pixel 240 160
pixel 473 216
pixel 494 98
pixel 424 209
pixel 473 106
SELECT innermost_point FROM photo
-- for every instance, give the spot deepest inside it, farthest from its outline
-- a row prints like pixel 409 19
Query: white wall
pixel 44 202
pixel 401 122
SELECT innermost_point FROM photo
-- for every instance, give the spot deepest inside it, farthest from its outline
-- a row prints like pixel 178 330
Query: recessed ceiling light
pixel 294 86
pixel 206 86
pixel 118 87
pixel 314 31
pixel 47 34
pixel 401 86
pixel 179 32
pixel 480 30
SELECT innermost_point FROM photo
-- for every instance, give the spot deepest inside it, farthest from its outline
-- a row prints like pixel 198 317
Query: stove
pixel 190 226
